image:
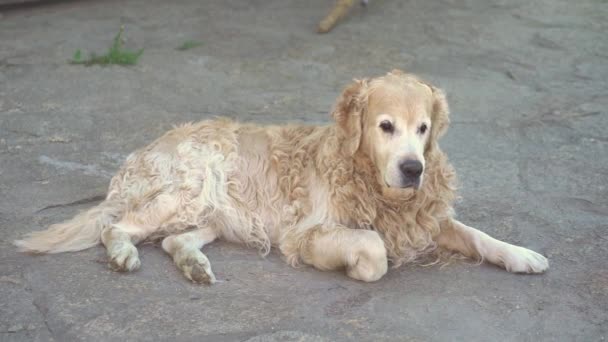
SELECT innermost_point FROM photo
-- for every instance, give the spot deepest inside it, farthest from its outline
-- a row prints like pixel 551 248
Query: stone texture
pixel 527 83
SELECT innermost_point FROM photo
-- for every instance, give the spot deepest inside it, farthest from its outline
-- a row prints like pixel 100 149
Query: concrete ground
pixel 528 86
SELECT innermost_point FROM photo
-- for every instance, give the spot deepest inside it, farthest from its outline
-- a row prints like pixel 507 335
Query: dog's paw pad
pixel 196 267
pixel 200 275
pixel 124 257
pixel 522 260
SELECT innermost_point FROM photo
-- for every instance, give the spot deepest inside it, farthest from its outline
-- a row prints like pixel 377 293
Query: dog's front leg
pixel 361 252
pixel 458 237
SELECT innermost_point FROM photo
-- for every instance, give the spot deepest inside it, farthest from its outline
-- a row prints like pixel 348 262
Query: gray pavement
pixel 528 86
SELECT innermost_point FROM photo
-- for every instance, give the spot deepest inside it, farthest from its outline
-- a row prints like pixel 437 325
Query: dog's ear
pixel 348 113
pixel 440 115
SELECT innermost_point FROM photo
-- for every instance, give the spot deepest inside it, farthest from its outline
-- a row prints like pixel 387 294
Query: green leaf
pixel 115 55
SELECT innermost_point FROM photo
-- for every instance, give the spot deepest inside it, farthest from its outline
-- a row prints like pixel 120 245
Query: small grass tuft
pixel 77 56
pixel 189 44
pixel 115 55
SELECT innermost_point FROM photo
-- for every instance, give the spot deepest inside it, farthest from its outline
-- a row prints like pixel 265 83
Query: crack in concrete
pixel 29 134
pixel 43 311
pixel 44 319
pixel 86 200
pixel 522 164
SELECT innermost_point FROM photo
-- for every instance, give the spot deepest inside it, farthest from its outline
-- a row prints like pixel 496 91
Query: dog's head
pixel 395 120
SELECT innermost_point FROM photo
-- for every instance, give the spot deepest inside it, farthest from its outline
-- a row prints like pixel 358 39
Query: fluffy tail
pixel 81 232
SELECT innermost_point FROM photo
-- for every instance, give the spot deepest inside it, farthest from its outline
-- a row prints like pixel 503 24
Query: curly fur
pixel 315 192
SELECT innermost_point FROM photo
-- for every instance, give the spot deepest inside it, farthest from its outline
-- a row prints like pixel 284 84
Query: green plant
pixel 116 55
pixel 189 44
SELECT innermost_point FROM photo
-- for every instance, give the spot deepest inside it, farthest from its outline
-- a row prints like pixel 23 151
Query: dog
pixel 373 187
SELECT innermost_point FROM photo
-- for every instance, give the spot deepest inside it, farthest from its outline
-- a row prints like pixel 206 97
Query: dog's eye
pixel 422 129
pixel 387 126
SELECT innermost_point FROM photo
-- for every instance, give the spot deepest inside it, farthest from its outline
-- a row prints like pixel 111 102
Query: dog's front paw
pixel 522 260
pixel 123 257
pixel 195 266
pixel 370 262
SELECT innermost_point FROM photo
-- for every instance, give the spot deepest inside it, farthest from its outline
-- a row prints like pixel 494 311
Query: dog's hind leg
pixel 119 240
pixel 136 225
pixel 185 249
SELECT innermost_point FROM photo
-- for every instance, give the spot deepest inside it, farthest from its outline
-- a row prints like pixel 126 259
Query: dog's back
pixel 236 178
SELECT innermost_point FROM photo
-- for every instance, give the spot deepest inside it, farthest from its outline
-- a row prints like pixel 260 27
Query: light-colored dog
pixel 374 187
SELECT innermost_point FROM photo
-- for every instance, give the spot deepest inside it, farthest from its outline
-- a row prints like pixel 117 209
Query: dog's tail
pixel 81 232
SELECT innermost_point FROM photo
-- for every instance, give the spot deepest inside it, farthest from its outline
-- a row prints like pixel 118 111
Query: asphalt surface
pixel 528 86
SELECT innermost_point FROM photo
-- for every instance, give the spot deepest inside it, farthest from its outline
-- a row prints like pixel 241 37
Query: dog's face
pixel 396 128
pixel 395 120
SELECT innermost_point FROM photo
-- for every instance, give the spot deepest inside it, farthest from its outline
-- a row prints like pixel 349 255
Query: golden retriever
pixel 372 188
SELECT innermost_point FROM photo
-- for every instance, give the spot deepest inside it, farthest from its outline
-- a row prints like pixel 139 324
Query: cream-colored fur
pixel 332 196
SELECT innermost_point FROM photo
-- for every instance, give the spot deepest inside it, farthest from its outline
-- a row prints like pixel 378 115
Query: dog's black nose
pixel 411 169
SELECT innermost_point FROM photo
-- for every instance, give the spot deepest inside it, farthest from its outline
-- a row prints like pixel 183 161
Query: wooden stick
pixel 340 9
